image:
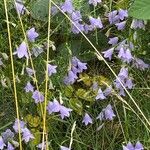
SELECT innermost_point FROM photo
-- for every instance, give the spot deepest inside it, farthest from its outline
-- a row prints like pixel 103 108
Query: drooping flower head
pixel 29 87
pixel 67 6
pixel 29 71
pixel 121 25
pixel 64 148
pixel 94 2
pixel 16 126
pixel 130 146
pixel 107 113
pixel 22 50
pixel 37 96
pixel 8 135
pixel 2 144
pixel 53 106
pixel 100 95
pixel 87 119
pixel 27 135
pixel 137 24
pixel 108 53
pixel 113 17
pixel 20 8
pixel 64 111
pixel 122 14
pixel 32 34
pixel 96 23
pixel 51 69
pixel 10 146
pixel 113 41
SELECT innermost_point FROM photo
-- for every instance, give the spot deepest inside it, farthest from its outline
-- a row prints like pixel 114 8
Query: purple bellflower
pixel 32 35
pixel 16 126
pixel 64 148
pixel 64 111
pixel 37 96
pixel 96 23
pixel 8 135
pixel 107 113
pixel 122 14
pixel 29 87
pixel 10 147
pixel 51 69
pixel 87 119
pixel 113 17
pixel 71 78
pixel 27 136
pixel 75 29
pixel 107 91
pixel 137 24
pixel 113 41
pixel 121 25
pixel 67 6
pixel 20 8
pixel 29 71
pixel 140 64
pixel 94 2
pixel 2 144
pixel 130 146
pixel 76 16
pixel 100 95
pixel 108 53
pixel 53 106
pixel 22 50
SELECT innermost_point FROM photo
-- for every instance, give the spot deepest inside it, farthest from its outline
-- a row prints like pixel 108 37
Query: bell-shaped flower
pixel 87 119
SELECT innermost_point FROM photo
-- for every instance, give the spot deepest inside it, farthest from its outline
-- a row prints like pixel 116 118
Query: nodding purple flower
pixel 94 2
pixel 137 24
pixel 75 30
pixel 81 66
pixel 121 25
pixel 123 74
pixel 32 35
pixel 27 135
pixel 16 125
pixel 36 51
pixel 130 146
pixel 95 86
pixel 29 71
pixel 76 16
pixel 10 147
pixel 107 91
pixel 64 111
pixel 67 6
pixel 129 83
pixel 54 10
pixel 140 64
pixel 53 106
pixel 71 78
pixel 87 28
pixel 51 69
pixel 22 50
pixel 107 113
pixel 87 119
pixel 108 53
pixel 64 148
pixel 20 8
pixel 113 41
pixel 2 144
pixel 96 23
pixel 122 14
pixel 8 135
pixel 42 146
pixel 100 95
pixel 29 87
pixel 37 96
pixel 113 17
pixel 125 55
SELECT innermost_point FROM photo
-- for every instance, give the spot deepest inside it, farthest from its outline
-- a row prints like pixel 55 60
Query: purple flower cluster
pixel 76 67
pixel 76 17
pixel 106 113
pixel 130 146
pixel 116 16
pixel 55 107
pixel 7 137
pixel 124 79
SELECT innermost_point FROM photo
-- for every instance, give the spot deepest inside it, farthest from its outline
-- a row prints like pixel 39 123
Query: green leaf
pixel 39 10
pixel 140 9
pixel 76 105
